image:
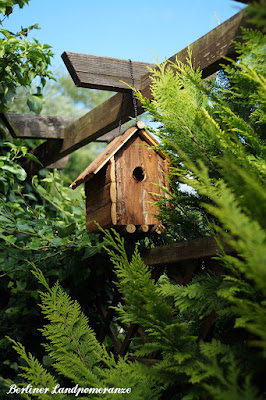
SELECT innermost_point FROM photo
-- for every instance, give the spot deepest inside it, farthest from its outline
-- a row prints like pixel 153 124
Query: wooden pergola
pixel 64 134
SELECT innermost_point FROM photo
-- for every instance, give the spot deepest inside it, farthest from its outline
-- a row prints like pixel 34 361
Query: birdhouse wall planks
pixel 121 183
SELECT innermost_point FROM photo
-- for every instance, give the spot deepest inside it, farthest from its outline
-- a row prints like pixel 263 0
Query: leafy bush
pixel 215 137
pixel 21 62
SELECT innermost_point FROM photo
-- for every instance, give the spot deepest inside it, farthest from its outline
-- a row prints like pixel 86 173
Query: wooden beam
pixel 106 116
pixel 97 122
pixel 104 73
pixel 60 164
pixel 209 50
pixel 187 250
pixel 32 126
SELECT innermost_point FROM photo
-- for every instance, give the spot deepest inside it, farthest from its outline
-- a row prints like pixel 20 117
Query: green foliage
pixel 63 98
pixel 225 365
pixel 214 132
pixel 40 222
pixel 77 355
pixel 215 136
pixel 21 62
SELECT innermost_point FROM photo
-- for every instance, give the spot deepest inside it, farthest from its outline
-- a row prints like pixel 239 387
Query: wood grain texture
pixel 101 215
pixel 103 157
pixel 99 198
pixel 31 126
pixel 100 194
pixel 104 73
pixel 187 250
pixel 113 193
pixel 135 198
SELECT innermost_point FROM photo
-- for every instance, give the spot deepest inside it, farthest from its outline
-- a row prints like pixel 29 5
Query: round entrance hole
pixel 139 174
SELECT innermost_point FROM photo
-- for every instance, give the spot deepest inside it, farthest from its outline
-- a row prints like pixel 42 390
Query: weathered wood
pixel 101 215
pixel 31 126
pixel 140 124
pixel 187 250
pixel 206 326
pixel 109 316
pixel 60 164
pixel 100 198
pixel 130 228
pixel 143 228
pixel 113 193
pixel 103 157
pixel 208 52
pixel 100 194
pixel 116 342
pixel 104 73
pixel 158 228
pixel 136 192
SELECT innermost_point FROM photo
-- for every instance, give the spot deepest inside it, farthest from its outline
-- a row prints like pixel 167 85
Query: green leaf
pixel 35 103
pixel 10 93
pixel 33 158
pixel 2 51
pixel 12 310
pixel 89 252
pixel 63 232
pixel 17 170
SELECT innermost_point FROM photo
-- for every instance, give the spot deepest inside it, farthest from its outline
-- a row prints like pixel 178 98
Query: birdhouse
pixel 123 183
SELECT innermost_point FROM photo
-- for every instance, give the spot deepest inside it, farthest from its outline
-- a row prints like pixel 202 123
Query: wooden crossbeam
pixel 208 53
pixel 187 250
pixel 98 122
pixel 209 50
pixel 104 73
pixel 31 126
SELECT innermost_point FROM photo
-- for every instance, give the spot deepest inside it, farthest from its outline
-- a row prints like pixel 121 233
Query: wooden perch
pixel 104 73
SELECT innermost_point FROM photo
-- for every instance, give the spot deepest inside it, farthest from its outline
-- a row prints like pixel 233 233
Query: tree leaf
pixel 33 158
pixel 35 103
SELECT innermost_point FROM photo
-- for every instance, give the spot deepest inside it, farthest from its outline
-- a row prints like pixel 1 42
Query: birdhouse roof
pixel 111 149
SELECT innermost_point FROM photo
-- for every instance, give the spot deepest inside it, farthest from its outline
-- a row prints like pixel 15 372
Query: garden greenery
pixel 214 133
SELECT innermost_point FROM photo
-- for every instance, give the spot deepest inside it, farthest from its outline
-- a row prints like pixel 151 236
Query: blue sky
pixel 121 29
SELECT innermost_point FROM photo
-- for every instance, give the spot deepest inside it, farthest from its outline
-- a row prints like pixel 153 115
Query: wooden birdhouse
pixel 121 183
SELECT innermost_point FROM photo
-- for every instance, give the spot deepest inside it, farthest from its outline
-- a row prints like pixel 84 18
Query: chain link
pixel 132 91
pixel 121 113
pixel 133 99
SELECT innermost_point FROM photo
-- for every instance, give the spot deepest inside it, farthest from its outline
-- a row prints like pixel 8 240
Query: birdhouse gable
pixel 123 183
pixel 111 149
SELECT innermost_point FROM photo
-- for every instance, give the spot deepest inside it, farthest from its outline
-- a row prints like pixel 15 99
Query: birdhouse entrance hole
pixel 139 174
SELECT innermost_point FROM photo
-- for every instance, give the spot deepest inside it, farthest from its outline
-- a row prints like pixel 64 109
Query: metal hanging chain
pixel 132 91
pixel 133 99
pixel 121 113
